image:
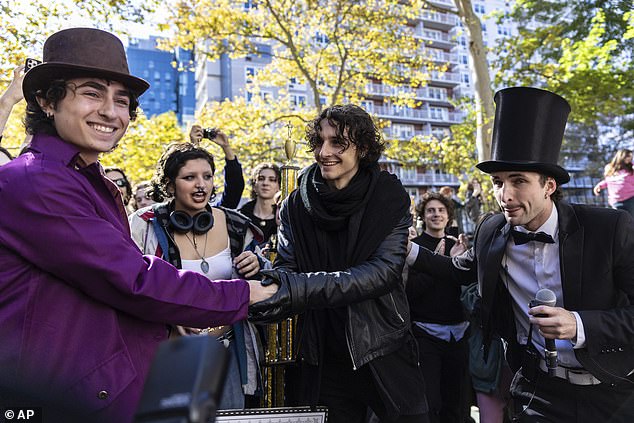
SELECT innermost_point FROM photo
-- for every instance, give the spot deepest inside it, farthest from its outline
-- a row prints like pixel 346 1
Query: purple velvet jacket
pixel 82 311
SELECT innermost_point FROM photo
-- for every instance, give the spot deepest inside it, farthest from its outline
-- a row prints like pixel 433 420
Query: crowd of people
pixel 401 316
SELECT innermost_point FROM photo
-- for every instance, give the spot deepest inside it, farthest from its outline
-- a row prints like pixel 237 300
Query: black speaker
pixel 185 381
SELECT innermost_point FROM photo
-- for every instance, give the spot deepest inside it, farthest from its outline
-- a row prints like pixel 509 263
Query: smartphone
pixel 31 63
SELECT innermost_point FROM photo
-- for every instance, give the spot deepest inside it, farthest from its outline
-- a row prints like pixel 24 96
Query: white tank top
pixel 220 265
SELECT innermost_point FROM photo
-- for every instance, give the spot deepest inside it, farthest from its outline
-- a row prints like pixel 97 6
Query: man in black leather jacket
pixel 341 250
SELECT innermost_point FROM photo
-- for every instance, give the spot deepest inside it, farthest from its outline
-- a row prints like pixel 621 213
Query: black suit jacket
pixel 596 252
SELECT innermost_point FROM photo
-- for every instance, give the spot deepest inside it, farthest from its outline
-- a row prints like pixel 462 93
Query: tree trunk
pixel 482 81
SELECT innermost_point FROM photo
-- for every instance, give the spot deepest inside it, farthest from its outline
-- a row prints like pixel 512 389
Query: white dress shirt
pixel 526 269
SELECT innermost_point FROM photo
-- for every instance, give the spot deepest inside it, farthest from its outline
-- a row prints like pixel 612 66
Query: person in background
pixel 619 180
pixel 454 228
pixel 119 178
pixel 473 203
pixel 438 319
pixel 12 96
pixel 265 183
pixel 234 179
pixel 340 256
pixel 82 310
pixel 140 195
pixel 216 242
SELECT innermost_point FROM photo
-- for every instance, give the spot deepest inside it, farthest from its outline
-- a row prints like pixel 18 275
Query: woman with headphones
pixel 216 242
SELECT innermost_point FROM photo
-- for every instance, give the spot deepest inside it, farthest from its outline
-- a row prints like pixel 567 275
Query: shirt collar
pixel 53 146
pixel 550 226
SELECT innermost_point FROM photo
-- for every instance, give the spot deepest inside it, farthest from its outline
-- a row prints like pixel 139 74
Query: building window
pixel 402 131
pixel 465 78
pixel 321 38
pixel 437 113
pixel 368 106
pixel 298 100
pixel 249 73
pixel 479 8
pixel 464 59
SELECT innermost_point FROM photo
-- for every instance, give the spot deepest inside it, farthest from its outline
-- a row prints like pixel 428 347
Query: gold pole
pixel 279 350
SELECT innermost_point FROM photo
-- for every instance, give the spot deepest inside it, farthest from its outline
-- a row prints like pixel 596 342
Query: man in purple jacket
pixel 82 311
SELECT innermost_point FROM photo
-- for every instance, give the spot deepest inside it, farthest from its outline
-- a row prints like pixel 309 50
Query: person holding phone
pixel 11 97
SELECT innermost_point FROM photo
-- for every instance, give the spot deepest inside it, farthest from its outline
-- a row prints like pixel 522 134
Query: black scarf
pixel 336 229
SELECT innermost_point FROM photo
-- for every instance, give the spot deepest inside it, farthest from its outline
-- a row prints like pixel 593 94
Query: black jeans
pixel 444 365
pixel 348 394
pixel 554 400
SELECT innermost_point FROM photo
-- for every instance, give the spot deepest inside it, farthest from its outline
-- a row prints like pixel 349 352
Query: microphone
pixel 548 298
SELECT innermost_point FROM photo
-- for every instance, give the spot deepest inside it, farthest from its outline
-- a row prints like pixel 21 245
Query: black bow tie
pixel 523 237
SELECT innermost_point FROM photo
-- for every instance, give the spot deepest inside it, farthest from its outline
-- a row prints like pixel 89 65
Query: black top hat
pixel 77 52
pixel 527 132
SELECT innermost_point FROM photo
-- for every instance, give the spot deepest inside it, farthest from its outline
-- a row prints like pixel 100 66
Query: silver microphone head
pixel 546 297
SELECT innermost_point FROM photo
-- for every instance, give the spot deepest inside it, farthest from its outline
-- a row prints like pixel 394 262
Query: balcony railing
pixel 418 114
pixel 443 18
pixel 424 93
pixel 429 179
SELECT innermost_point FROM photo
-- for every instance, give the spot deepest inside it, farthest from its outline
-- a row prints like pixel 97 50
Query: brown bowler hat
pixel 77 52
pixel 527 132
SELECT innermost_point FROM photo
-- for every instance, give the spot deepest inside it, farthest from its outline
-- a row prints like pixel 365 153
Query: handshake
pixel 271 299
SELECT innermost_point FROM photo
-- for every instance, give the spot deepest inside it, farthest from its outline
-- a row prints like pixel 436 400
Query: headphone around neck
pixel 200 223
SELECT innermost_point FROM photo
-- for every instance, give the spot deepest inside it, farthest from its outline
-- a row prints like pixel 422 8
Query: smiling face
pixel 436 218
pixel 337 157
pixel 193 186
pixel 93 115
pixel 524 199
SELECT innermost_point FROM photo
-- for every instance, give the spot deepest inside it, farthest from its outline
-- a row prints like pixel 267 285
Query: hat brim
pixel 41 75
pixel 557 172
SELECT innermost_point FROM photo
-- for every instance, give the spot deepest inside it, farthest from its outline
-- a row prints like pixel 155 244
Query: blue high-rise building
pixel 171 78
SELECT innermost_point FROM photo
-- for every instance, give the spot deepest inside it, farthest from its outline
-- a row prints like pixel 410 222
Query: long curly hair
pixel 361 131
pixel 171 162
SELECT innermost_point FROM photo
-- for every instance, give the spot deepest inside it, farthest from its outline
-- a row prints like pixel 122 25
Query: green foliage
pixel 335 49
pixel 583 57
pixel 143 144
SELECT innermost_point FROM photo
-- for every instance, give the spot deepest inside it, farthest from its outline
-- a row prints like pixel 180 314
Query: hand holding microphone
pixel 546 297
pixel 553 322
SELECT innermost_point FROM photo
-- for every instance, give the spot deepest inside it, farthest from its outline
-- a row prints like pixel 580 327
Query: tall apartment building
pixel 171 87
pixel 228 78
pixel 441 33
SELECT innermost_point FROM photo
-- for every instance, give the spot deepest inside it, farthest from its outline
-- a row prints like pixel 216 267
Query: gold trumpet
pixel 279 350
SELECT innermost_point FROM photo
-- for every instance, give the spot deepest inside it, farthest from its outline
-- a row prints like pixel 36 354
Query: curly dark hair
pixel 256 173
pixel 361 131
pixel 429 196
pixel 171 162
pixel 36 121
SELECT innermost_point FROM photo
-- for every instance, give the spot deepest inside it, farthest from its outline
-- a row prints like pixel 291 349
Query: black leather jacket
pixel 378 312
